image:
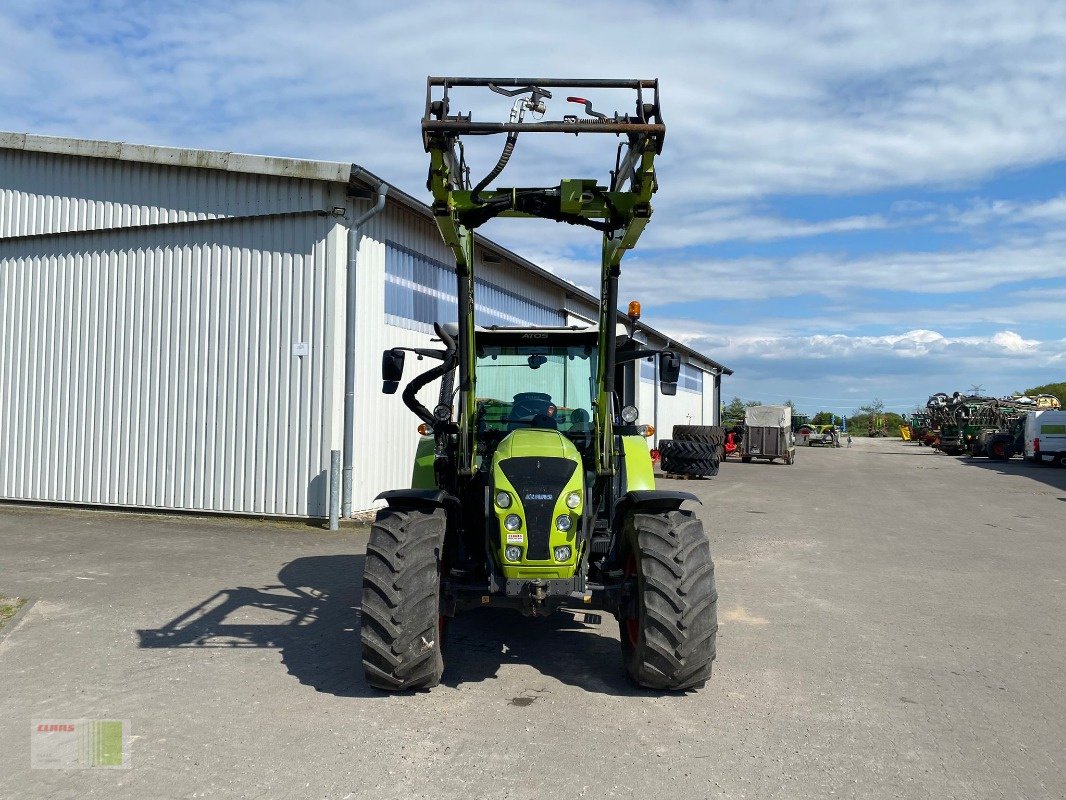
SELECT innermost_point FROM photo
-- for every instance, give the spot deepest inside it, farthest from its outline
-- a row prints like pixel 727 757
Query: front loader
pixel 533 486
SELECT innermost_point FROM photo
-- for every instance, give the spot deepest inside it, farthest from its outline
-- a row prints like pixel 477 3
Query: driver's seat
pixel 527 405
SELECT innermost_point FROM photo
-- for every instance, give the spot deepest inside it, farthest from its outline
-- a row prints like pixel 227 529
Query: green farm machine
pixel 533 487
pixel 978 426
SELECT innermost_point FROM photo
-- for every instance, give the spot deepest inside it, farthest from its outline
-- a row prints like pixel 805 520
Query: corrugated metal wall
pixel 44 193
pixel 147 321
pixel 385 430
pixel 154 366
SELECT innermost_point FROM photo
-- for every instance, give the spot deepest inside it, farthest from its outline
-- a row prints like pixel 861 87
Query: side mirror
pixel 669 372
pixel 391 370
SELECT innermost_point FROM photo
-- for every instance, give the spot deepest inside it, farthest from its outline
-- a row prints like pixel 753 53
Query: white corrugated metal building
pixel 172 326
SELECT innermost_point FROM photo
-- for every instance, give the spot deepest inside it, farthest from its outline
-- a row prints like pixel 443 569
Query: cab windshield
pixel 536 386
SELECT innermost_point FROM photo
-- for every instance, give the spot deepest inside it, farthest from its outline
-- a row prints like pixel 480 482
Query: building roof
pixel 352 175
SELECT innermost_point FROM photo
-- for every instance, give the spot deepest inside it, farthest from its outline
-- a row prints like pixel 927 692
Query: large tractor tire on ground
pixel 401 622
pixel 708 434
pixel 688 458
pixel 669 620
pixel 1000 450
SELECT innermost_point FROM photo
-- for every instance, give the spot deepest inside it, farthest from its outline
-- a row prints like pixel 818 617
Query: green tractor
pixel 533 486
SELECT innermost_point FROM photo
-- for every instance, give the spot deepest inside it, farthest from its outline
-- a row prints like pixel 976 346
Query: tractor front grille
pixel 538 481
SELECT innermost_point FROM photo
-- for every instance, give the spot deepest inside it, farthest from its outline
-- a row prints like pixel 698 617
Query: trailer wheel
pixel 401 623
pixel 669 620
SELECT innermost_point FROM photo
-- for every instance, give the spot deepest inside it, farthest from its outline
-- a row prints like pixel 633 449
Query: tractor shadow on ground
pixel 482 641
pixel 311 617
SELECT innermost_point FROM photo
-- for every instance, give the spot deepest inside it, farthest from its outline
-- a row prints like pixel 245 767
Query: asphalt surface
pixel 892 625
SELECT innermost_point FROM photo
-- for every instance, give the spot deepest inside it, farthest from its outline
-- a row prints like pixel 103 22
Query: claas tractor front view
pixel 533 486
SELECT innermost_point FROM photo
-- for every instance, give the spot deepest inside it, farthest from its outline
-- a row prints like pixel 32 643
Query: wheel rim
pixel 632 624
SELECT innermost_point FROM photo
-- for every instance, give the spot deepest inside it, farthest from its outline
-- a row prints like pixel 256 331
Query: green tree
pixel 876 407
pixel 733 414
pixel 823 418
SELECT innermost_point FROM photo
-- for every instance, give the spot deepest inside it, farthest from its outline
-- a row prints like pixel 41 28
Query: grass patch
pixel 9 607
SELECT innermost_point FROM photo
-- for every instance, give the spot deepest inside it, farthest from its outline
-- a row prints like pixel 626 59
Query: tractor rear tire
pixel 1000 450
pixel 688 458
pixel 669 623
pixel 401 623
pixel 708 434
pixel 705 467
pixel 674 448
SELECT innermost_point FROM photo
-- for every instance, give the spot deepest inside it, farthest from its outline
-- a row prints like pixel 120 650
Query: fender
pixel 420 500
pixel 654 500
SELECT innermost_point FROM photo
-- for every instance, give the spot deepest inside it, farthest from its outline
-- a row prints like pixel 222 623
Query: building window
pixel 420 291
pixel 647 369
pixel 691 378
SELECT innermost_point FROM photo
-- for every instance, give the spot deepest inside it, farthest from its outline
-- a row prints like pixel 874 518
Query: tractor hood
pixel 537 442
pixel 536 471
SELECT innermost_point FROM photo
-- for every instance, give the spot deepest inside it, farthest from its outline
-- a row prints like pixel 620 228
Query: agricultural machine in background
pixel 533 487
pixel 919 428
pixel 981 426
pixel 877 426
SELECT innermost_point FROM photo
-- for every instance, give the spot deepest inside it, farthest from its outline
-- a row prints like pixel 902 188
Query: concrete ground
pixel 892 625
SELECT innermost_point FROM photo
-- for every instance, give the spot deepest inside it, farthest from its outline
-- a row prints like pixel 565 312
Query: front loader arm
pixel 619 210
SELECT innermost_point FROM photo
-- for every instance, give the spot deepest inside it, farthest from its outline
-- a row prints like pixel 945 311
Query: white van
pixel 1045 437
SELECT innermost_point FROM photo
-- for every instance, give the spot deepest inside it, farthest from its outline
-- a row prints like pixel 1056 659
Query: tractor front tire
pixel 401 622
pixel 669 621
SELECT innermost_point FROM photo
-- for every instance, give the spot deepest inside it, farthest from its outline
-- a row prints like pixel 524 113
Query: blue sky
pixel 857 199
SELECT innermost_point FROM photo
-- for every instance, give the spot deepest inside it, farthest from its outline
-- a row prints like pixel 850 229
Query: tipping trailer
pixel 768 434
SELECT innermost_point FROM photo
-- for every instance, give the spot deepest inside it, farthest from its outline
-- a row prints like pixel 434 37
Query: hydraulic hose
pixel 505 156
pixel 410 392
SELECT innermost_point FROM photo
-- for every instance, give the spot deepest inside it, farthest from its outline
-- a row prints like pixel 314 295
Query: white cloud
pixel 841 98
pixel 739 223
pixel 759 100
pixel 902 368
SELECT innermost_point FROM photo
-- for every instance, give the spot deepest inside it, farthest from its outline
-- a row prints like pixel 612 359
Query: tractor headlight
pixel 563 522
pixel 562 553
pixel 513 522
pixel 513 553
pixel 629 414
pixel 573 500
pixel 503 499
